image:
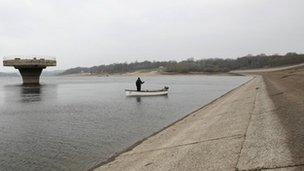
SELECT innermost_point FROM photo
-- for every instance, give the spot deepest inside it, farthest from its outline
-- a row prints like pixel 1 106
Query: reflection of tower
pixel 31 94
pixel 29 68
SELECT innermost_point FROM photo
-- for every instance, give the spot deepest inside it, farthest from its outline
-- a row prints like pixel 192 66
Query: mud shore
pixel 151 73
pixel 258 126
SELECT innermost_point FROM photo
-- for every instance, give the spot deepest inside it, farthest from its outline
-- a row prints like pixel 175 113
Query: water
pixel 74 123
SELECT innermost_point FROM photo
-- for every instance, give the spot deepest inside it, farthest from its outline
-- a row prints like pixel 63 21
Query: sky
pixel 94 32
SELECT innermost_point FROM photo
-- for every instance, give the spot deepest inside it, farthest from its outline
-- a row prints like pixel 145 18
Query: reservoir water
pixel 74 123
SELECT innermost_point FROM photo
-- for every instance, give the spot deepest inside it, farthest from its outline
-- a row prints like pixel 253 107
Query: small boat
pixel 160 92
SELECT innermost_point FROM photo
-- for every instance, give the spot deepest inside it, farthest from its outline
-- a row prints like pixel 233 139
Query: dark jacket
pixel 139 82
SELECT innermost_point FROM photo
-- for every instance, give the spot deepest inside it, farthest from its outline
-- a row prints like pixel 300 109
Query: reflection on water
pixel 73 123
pixel 30 93
pixel 138 99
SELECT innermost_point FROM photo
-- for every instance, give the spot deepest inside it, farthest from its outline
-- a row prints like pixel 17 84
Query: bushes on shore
pixel 192 65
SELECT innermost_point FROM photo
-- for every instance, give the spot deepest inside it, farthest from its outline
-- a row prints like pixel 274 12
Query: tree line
pixel 191 65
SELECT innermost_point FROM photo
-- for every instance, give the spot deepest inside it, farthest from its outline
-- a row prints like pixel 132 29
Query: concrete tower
pixel 30 68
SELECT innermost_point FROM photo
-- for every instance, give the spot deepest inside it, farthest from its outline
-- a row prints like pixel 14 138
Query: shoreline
pixel 151 74
pixel 160 73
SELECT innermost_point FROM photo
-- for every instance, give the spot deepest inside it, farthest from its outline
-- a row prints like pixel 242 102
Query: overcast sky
pixel 94 32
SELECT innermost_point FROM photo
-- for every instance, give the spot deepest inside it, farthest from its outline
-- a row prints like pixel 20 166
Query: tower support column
pixel 30 75
pixel 29 68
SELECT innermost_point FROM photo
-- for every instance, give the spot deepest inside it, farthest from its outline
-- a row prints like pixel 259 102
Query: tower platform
pixel 30 68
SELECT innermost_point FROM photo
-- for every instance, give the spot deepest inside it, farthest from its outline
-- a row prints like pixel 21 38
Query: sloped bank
pixel 243 130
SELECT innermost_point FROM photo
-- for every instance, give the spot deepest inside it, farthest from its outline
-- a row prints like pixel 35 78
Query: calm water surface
pixel 74 123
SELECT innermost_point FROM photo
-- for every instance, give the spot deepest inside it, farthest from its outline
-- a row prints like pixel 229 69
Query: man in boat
pixel 139 83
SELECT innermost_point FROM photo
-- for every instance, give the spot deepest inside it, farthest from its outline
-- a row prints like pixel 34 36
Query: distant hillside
pixel 8 74
pixel 44 73
pixel 191 65
pixel 51 73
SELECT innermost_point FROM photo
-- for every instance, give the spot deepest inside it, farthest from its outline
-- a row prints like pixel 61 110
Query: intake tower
pixel 30 68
